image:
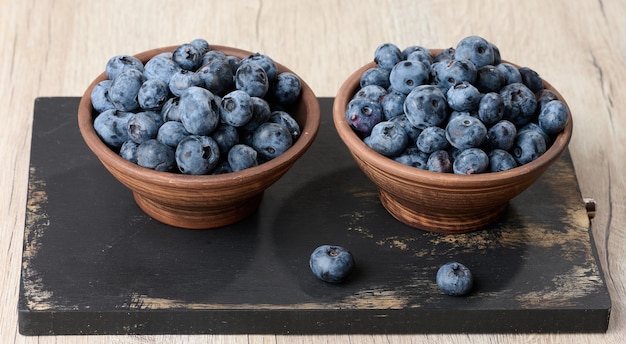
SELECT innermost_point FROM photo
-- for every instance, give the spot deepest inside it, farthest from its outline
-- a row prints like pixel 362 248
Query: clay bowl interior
pixel 440 202
pixel 207 201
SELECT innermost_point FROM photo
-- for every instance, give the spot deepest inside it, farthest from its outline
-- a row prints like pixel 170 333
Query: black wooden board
pixel 94 263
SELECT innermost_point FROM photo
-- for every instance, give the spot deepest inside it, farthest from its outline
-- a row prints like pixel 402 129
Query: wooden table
pixel 55 48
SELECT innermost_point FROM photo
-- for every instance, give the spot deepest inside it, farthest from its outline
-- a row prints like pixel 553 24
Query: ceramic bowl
pixel 440 202
pixel 200 201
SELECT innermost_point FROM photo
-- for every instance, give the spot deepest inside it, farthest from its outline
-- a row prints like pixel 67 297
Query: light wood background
pixel 55 48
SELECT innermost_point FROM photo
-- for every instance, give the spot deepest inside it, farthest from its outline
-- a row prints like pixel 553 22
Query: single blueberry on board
pixel 331 263
pixel 454 279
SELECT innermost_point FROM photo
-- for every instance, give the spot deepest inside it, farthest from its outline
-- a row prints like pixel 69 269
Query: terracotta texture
pixel 440 202
pixel 206 201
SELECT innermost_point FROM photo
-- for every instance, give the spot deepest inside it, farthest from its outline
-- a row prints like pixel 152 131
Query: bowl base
pixel 455 223
pixel 198 217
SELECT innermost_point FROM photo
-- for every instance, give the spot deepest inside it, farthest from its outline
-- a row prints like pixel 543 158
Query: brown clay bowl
pixel 440 202
pixel 207 201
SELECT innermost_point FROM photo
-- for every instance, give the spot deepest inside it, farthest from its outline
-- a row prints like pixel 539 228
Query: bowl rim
pixel 112 160
pixel 379 161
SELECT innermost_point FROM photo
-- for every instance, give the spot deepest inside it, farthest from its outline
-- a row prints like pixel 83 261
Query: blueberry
pixel 425 106
pixel 155 155
pixel 418 53
pixel 217 76
pixel 553 117
pixel 439 161
pixel 152 94
pixel 502 135
pixel 406 75
pixel 332 264
pixel 120 63
pixel 510 72
pixel 387 55
pixel 234 62
pixel 241 157
pixel 520 103
pixel 463 96
pixel 187 57
pixel 124 89
pixel 128 151
pixel 252 79
pixel 161 67
pixel 475 49
pixel 100 96
pixel 197 154
pixel 544 96
pixel 529 145
pixel 392 104
pixel 410 129
pixel 182 80
pixel 285 119
pixel 465 131
pixel 501 160
pixel 141 127
pixel 531 79
pixel 261 112
pixel 266 62
pixel 111 125
pixel 363 114
pixel 375 76
pixel 489 79
pixel 201 45
pixel 432 139
pixel 454 279
pixel 471 161
pixel 170 111
pixel 213 55
pixel 445 55
pixel 536 128
pixel 226 137
pixel 171 133
pixel 236 108
pixel 286 89
pixel 491 108
pixel 371 92
pixel 455 71
pixel 271 140
pixel 199 111
pixel 413 157
pixel 388 138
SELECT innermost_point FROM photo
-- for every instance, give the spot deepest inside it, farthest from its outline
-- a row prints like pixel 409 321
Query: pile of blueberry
pixel 462 110
pixel 196 110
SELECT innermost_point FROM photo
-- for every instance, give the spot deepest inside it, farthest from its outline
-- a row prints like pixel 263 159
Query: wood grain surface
pixel 55 48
